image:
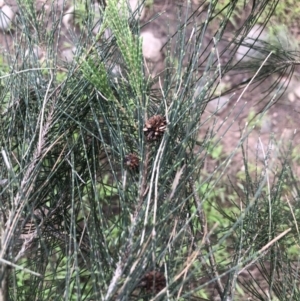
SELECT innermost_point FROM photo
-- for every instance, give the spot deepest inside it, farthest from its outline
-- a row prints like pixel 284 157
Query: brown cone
pixel 153 282
pixel 155 127
pixel 132 161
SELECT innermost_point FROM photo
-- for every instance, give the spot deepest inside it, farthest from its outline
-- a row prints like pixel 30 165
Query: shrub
pixel 81 222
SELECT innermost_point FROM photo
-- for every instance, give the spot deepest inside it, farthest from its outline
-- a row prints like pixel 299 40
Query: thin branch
pixel 207 243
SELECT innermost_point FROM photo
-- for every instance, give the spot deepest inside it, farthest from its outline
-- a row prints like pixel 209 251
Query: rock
pixel 68 54
pixel 68 17
pixel 151 46
pixel 291 96
pixel 279 36
pixel 297 92
pixel 6 17
pixel 135 6
pixel 245 52
pixel 217 105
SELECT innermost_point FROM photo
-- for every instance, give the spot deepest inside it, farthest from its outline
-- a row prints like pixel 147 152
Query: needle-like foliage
pixel 104 191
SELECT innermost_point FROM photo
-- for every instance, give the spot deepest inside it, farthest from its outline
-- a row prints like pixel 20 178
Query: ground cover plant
pixel 114 181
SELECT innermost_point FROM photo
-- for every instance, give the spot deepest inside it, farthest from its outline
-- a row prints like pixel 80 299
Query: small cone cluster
pixel 155 127
pixel 132 162
pixel 153 282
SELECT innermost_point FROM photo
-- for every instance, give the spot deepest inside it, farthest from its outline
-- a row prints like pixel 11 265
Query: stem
pixel 214 273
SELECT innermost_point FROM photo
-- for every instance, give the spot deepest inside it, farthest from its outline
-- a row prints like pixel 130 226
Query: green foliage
pixel 96 74
pixel 4 69
pixel 81 225
pixel 215 151
pixel 128 43
pixel 285 12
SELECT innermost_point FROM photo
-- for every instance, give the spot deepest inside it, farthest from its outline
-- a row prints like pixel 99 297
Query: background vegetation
pixel 82 220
